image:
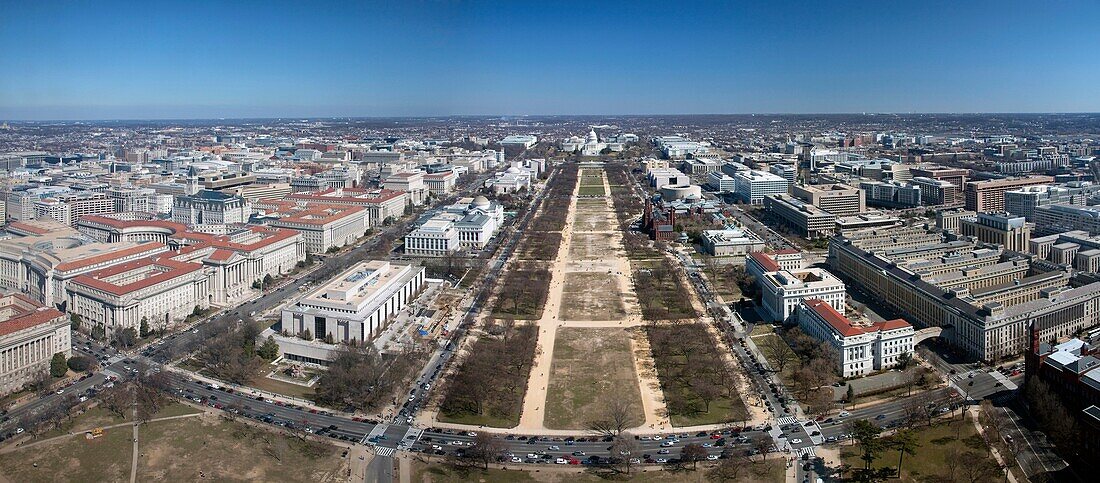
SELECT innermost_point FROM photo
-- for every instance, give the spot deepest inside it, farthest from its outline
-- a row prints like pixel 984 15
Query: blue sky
pixel 199 59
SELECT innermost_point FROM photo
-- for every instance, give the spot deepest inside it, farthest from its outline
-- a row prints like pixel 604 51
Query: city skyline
pixel 114 60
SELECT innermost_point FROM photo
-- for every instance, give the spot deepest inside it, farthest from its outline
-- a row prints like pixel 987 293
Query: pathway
pixel 534 404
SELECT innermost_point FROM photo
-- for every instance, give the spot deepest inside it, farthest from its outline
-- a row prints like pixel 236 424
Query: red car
pixel 715 436
pixel 314 411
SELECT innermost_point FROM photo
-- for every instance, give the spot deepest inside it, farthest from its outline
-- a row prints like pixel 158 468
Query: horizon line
pixel 429 116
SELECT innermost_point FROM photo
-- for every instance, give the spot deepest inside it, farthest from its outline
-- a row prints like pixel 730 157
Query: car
pixel 18 430
pixel 561 461
pixel 663 451
pixel 708 445
pixel 578 453
pixel 517 459
pixel 796 441
pixel 844 414
pixel 880 417
pixel 553 447
pixel 712 457
pixel 661 460
pixel 60 391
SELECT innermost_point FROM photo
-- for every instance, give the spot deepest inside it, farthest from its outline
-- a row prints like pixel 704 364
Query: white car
pixel 666 444
pixel 561 461
pixel 712 457
pixel 796 441
pixel 662 460
pixel 517 459
pixel 553 447
pixel 844 414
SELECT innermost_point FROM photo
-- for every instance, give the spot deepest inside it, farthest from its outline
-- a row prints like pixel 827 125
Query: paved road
pixel 380 470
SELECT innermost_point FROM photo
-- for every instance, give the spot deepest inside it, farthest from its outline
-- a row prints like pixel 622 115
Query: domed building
pixel 589 145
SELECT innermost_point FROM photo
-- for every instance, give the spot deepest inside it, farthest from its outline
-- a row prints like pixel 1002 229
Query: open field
pixel 699 385
pixel 187 449
pixel 771 471
pixel 592 246
pixel 947 451
pixel 591 367
pixel 591 296
pixel 591 190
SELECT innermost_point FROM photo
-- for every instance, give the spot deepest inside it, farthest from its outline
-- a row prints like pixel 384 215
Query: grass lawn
pixel 75 459
pixel 479 420
pixel 262 382
pixel 941 445
pixel 762 329
pixel 212 448
pixel 722 410
pixel 788 372
pixel 591 296
pixel 591 191
pixel 591 366
pixel 771 471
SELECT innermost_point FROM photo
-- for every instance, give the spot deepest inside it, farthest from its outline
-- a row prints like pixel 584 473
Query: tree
pixel 125 338
pixel 329 339
pixel 58 365
pixel 268 280
pixel 850 396
pixel 906 443
pixel 269 350
pixel 484 449
pixel 306 335
pixel 143 331
pixel 80 363
pixel 623 450
pixel 904 359
pixel 979 467
pixel 763 444
pixel 694 453
pixel 617 417
pixel 778 352
pixel 75 321
pixel 731 468
pixel 867 434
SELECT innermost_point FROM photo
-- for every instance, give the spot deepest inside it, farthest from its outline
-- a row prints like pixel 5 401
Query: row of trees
pixel 522 293
pixel 661 293
pixel 971 466
pixel 692 371
pixel 491 378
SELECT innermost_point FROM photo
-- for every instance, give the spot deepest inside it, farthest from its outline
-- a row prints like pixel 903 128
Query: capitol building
pixel 591 145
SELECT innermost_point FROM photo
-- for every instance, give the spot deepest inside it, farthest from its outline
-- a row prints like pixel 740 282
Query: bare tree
pixel 778 352
pixel 623 451
pixel 763 444
pixel 731 468
pixel 485 449
pixel 617 417
pixel 693 453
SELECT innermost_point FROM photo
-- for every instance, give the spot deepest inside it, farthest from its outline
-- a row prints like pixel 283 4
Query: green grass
pixel 722 410
pixel 591 190
pixel 479 420
pixel 939 443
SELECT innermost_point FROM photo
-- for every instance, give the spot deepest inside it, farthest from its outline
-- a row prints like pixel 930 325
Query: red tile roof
pixel 40 316
pixel 28 228
pixel 844 326
pixel 173 268
pixel 765 261
pixel 787 251
pixel 147 247
pixel 827 313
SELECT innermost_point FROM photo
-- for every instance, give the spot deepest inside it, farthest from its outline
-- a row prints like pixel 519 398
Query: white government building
pixel 30 334
pixel 469 223
pixel 861 348
pixel 355 305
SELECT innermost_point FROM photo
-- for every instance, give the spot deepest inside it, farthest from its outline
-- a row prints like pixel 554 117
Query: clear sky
pixel 197 59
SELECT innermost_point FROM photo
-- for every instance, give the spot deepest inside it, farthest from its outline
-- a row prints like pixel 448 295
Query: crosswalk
pixel 809 450
pixel 384 451
pixel 785 420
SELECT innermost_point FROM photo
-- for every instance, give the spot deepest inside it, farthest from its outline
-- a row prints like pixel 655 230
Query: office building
pixel 209 207
pixel 731 241
pixel 837 199
pixel 989 195
pixel 323 226
pixel 159 289
pixel 891 194
pixel 935 192
pixel 383 205
pixel 1063 218
pixel 806 219
pixel 659 177
pixel 519 140
pixel 783 290
pixel 411 182
pixel 1023 201
pixel 30 335
pixel 948 220
pixel 1011 232
pixel 860 348
pixel 356 305
pixel 753 186
pixel 721 182
pixel 67 208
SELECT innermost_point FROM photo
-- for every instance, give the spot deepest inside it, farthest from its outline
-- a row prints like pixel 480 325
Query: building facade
pixel 860 348
pixel 30 335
